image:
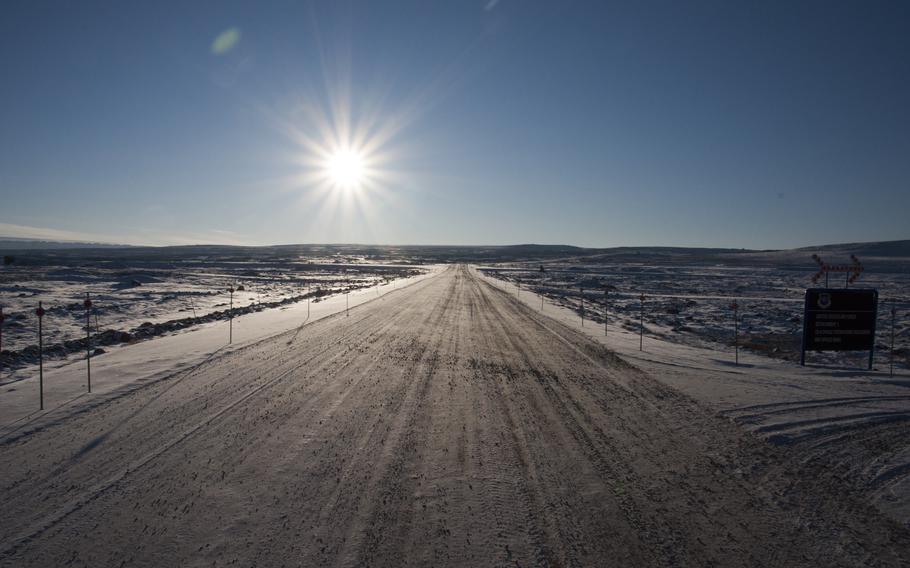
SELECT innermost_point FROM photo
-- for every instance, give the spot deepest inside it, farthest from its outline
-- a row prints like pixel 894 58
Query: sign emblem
pixel 824 301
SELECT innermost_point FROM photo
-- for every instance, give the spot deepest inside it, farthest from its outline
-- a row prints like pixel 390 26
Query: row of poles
pixel 87 304
pixel 606 304
pixel 40 312
pixel 734 306
pixel 232 289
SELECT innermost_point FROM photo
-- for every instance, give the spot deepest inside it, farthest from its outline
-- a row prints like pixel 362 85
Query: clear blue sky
pixel 742 124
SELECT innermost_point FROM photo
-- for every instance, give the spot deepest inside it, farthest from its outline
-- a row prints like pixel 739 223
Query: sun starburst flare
pixel 346 168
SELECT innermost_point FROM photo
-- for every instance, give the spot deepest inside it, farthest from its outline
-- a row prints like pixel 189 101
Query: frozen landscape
pixel 493 283
pixel 438 414
pixel 689 294
pixel 138 293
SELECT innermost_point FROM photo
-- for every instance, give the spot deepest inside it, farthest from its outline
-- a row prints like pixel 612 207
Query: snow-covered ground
pixel 130 366
pixel 126 295
pixel 445 424
pixel 850 419
pixel 691 303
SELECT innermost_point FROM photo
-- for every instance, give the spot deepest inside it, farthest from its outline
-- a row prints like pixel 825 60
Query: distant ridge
pixel 487 253
pixel 872 249
pixel 15 243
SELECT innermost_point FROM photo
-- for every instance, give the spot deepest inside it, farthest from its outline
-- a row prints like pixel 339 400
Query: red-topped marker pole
pixel 40 313
pixel 606 309
pixel 88 340
pixel 541 287
pixel 641 323
pixel 735 307
pixel 1 329
pixel 582 292
pixel 891 358
pixel 231 317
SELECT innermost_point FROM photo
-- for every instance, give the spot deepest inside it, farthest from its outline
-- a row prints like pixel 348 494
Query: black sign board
pixel 839 320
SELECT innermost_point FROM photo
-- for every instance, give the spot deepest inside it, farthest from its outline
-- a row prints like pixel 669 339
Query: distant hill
pixel 35 251
pixel 874 249
pixel 14 244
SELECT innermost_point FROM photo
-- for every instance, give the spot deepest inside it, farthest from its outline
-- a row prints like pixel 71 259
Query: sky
pixel 735 124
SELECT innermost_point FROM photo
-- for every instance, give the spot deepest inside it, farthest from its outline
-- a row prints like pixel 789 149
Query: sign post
pixel 40 313
pixel 88 340
pixel 839 320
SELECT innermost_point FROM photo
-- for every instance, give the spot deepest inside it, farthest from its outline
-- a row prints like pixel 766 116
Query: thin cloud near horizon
pixel 212 237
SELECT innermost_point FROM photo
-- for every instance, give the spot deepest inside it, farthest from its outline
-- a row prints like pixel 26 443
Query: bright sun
pixel 345 168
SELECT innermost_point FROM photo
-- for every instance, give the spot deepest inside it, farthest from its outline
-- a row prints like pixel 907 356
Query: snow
pixel 847 414
pixel 131 366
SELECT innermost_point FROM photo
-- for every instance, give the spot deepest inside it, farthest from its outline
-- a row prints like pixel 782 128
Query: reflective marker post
pixel 735 308
pixel 541 288
pixel 641 323
pixel 88 340
pixel 582 292
pixel 231 317
pixel 40 313
pixel 606 310
pixel 891 358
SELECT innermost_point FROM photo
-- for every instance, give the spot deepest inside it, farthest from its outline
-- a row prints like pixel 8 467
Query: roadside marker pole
pixel 88 341
pixel 231 317
pixel 541 287
pixel 1 329
pixel 735 307
pixel 581 291
pixel 40 313
pixel 641 323
pixel 891 358
pixel 606 311
pixel 308 301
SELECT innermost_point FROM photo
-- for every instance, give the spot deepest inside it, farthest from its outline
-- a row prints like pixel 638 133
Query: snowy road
pixel 446 425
